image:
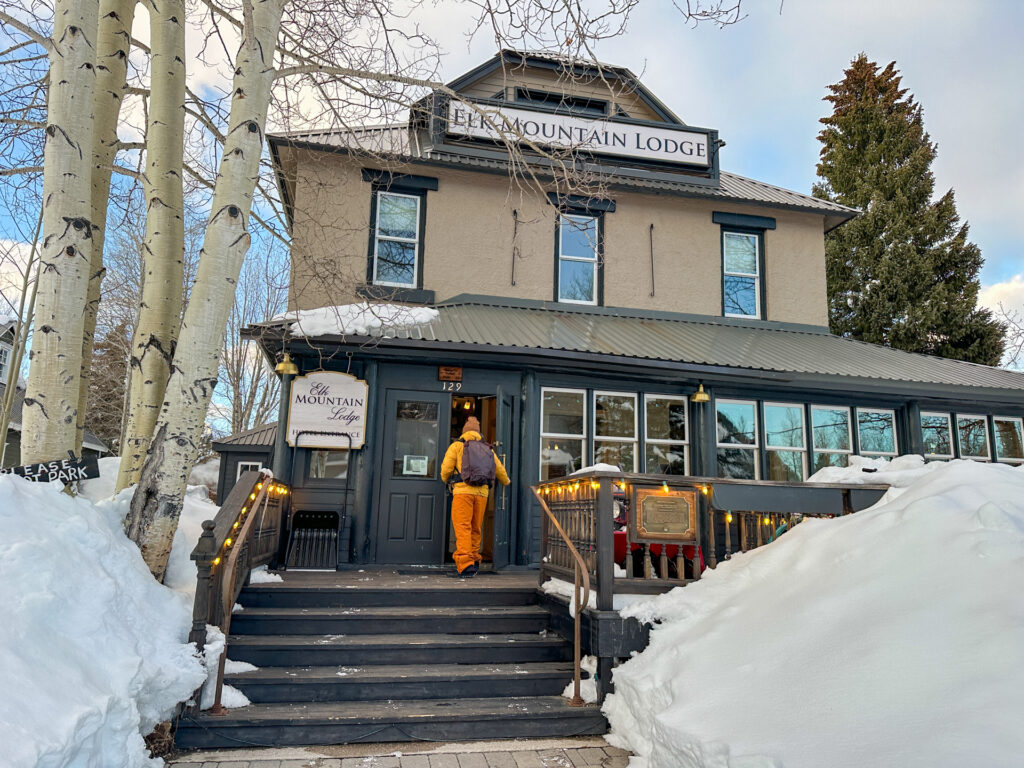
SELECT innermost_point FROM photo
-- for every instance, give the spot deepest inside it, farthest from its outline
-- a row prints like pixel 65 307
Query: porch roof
pixel 705 345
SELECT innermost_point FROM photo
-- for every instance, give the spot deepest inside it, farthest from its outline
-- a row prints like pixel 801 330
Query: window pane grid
pixel 741 289
pixel 876 428
pixel 578 256
pixel 737 439
pixel 1009 439
pixel 785 441
pixel 972 437
pixel 396 245
pixel 937 434
pixel 615 428
pixel 562 452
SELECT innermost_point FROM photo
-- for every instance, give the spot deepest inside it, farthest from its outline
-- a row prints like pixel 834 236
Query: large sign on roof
pixel 641 141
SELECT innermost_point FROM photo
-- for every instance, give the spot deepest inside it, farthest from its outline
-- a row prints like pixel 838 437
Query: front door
pixel 502 493
pixel 411 511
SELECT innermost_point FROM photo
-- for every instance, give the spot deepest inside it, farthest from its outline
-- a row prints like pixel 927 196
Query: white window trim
pixel 377 237
pixel 988 447
pixel 803 424
pixel 594 261
pixel 849 429
pixel 952 437
pixel 5 360
pixel 754 447
pixel 250 464
pixel 755 275
pixel 562 435
pixel 895 436
pixel 660 441
pixel 1020 423
pixel 636 427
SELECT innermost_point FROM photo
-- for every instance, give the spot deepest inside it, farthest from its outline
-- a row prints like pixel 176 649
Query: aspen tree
pixel 163 250
pixel 156 505
pixel 50 417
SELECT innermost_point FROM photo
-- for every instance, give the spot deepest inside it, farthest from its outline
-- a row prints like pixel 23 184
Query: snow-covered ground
pixel 93 650
pixel 892 637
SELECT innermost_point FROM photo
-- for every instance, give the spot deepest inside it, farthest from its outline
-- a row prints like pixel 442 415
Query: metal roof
pixel 705 342
pixel 257 437
pixel 397 140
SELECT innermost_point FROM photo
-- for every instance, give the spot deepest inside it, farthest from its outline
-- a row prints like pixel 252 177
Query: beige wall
pixel 468 244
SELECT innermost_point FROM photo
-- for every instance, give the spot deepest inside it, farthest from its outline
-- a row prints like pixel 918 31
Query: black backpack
pixel 477 463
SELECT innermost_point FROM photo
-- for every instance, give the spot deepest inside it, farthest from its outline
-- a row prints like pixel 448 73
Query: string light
pixel 704 490
pixel 235 525
pixel 767 521
pixel 252 496
pixel 216 561
pixel 664 486
pixel 728 517
pixel 227 542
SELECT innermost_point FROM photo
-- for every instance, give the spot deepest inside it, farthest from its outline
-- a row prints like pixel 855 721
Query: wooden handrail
pixel 581 602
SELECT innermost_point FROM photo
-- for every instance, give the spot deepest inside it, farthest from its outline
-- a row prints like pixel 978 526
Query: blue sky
pixel 761 82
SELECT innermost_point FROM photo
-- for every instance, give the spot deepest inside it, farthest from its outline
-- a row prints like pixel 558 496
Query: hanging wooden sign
pixel 449 373
pixel 67 470
pixel 327 407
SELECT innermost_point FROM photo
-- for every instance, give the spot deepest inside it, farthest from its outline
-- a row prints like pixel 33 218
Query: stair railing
pixel 243 535
pixel 582 600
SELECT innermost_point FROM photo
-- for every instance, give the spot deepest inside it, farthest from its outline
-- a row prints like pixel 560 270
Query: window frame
pixel 983 418
pixel 895 433
pixel 308 473
pixel 995 445
pixel 754 447
pixel 659 441
pixel 803 423
pixel 247 463
pixel 5 361
pixel 952 436
pixel 636 425
pixel 849 431
pixel 597 261
pixel 759 279
pixel 375 236
pixel 584 453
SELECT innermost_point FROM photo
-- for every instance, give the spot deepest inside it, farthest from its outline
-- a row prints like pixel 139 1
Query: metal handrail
pixel 581 602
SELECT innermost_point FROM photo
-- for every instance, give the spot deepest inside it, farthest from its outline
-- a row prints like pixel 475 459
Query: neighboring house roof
pixel 784 353
pixel 396 140
pixel 89 440
pixel 257 438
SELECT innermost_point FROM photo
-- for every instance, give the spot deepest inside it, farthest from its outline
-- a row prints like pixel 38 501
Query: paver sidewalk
pixel 581 752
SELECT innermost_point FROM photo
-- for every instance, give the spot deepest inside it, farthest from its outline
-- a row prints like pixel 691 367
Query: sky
pixel 761 81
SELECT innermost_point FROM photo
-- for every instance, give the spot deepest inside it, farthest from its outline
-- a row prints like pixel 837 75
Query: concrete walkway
pixel 580 752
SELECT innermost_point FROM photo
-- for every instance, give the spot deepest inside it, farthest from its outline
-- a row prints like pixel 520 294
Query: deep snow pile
pixel 362 319
pixel 92 649
pixel 892 637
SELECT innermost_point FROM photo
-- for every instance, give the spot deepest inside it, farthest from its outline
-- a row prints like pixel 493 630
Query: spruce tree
pixel 903 273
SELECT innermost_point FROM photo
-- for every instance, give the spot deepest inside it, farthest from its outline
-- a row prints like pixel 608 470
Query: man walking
pixel 473 467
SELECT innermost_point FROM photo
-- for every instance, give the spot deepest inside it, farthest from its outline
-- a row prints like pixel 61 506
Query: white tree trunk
pixel 49 423
pixel 156 505
pixel 163 250
pixel 112 48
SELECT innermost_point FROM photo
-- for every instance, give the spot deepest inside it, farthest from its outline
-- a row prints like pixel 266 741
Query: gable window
pixel 741 274
pixel 561 102
pixel 1009 434
pixel 579 254
pixel 665 434
pixel 876 430
pixel 832 436
pixel 396 239
pixel 972 437
pixel 937 434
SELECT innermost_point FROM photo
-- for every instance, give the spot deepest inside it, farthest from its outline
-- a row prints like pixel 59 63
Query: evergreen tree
pixel 903 273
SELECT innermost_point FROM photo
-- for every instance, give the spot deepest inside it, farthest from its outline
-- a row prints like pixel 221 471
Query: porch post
pixel 605 577
pixel 915 441
pixel 281 449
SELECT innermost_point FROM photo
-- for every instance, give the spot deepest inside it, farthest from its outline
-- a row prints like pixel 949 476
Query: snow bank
pixel 892 637
pixel 599 467
pixel 362 319
pixel 92 649
pixel 206 473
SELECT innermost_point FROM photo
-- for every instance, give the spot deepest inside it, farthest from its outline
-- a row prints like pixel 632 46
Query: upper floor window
pixel 5 358
pixel 396 242
pixel 579 254
pixel 562 102
pixel 741 274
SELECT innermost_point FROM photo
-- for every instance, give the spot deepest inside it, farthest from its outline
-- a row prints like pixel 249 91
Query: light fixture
pixel 468 405
pixel 700 396
pixel 286 367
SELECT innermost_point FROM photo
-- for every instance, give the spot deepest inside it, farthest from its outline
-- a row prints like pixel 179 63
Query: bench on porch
pixel 629 534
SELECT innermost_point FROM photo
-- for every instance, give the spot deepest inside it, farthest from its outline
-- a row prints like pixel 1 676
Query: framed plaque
pixel 660 515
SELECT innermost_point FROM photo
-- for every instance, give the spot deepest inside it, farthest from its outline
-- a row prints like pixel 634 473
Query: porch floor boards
pixel 392 578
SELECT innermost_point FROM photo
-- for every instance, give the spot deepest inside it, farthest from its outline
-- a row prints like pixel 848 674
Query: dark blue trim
pixel 580 203
pixel 742 220
pixel 387 181
pixel 387 293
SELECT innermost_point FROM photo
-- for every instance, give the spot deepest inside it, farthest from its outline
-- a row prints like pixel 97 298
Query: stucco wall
pixel 468 244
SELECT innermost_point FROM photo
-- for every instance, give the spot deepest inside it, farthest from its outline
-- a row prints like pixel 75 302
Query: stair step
pixel 385 721
pixel 377 620
pixel 357 650
pixel 462 593
pixel 414 681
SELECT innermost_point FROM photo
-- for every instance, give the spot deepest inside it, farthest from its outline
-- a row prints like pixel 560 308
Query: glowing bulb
pixel 664 487
pixel 468 406
pixel 252 496
pixel 244 509
pixel 704 490
pixel 258 486
pixel 728 517
pixel 767 521
pixel 235 525
pixel 216 561
pixel 227 542
pixel 594 485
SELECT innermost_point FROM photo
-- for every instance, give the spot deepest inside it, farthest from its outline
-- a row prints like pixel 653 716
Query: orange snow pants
pixel 467 519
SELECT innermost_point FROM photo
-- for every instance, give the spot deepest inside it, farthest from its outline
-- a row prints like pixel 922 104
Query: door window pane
pixel 784 426
pixel 831 428
pixel 328 465
pixel 972 432
pixel 620 453
pixel 559 457
pixel 666 458
pixel 415 439
pixel 787 466
pixel 614 415
pixel 936 435
pixel 737 422
pixel 737 463
pixel 1009 439
pixel 563 412
pixel 877 432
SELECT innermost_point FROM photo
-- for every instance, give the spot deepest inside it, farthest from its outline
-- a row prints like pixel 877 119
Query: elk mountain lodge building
pixel 665 316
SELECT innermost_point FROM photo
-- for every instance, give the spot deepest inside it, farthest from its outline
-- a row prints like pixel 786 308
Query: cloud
pixel 14 256
pixel 1007 295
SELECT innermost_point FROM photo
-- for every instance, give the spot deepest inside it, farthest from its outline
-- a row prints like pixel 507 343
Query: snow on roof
pixel 362 319
pixel 893 636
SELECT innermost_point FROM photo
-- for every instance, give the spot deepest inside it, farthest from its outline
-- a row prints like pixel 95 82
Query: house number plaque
pixel 665 515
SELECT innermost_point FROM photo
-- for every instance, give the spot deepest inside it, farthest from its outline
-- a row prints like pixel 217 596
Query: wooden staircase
pixel 431 659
